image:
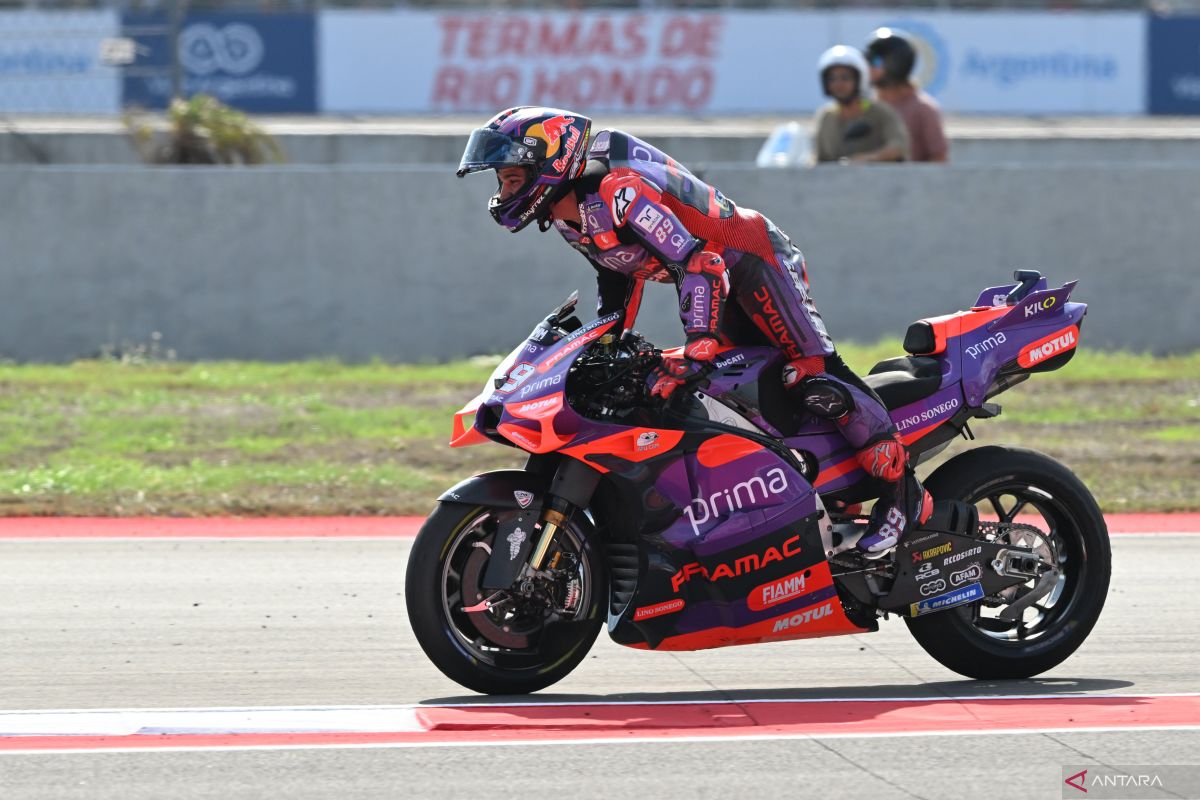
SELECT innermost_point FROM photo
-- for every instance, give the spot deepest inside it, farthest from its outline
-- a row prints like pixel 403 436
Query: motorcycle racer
pixel 638 215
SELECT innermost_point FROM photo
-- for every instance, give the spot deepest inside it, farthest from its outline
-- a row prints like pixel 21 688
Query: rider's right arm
pixel 616 291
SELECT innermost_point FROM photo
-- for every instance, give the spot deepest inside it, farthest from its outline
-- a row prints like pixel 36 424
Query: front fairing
pixel 524 401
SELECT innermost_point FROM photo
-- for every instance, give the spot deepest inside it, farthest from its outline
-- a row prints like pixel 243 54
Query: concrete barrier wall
pixel 968 147
pixel 405 264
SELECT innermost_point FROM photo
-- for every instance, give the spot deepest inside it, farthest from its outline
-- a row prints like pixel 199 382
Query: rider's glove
pixel 702 348
pixel 674 372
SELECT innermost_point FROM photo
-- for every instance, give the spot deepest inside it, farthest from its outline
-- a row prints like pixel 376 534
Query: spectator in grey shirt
pixel 854 129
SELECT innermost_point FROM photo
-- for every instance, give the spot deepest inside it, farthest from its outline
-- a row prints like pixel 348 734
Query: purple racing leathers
pixel 644 216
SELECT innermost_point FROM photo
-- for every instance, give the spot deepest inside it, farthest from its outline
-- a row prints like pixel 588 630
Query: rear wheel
pixel 1028 500
pixel 502 642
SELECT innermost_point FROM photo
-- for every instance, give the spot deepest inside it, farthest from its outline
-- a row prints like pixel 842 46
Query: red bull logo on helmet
pixel 551 131
pixel 555 127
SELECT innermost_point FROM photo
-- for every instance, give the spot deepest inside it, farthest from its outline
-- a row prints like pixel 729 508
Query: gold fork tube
pixel 550 524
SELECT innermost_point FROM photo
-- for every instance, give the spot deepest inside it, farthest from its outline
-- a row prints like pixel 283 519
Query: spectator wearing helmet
pixel 854 128
pixel 639 215
pixel 891 57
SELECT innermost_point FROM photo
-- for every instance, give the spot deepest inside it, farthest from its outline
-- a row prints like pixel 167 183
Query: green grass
pixel 1088 366
pixel 1176 433
pixel 319 437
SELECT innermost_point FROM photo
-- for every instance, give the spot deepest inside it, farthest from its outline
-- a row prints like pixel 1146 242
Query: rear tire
pixel 498 651
pixel 967 641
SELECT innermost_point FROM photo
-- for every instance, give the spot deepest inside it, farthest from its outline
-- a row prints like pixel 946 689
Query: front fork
pixel 552 520
pixel 513 556
pixel 571 488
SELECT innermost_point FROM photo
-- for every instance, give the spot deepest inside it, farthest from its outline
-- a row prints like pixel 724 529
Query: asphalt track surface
pixel 272 658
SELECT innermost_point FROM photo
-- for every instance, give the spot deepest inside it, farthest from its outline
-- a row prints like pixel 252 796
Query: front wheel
pixel 1027 500
pixel 502 642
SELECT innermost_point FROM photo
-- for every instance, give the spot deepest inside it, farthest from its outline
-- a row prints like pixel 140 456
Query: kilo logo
pixel 235 49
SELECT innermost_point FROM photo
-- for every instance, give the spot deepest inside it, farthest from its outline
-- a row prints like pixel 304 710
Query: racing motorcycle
pixel 729 516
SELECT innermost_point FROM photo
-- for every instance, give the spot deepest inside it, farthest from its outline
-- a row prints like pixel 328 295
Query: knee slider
pixel 826 398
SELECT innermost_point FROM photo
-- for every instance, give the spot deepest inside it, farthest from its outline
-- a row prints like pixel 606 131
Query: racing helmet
pixel 548 143
pixel 890 49
pixel 842 56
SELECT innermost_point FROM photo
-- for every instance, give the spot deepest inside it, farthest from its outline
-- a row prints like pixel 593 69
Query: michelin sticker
pixel 955 598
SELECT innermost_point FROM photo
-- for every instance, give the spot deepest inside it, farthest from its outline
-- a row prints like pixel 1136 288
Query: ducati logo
pixel 523 498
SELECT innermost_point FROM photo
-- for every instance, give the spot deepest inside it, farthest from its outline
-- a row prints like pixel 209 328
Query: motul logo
pixel 803 618
pixel 537 405
pixel 1052 345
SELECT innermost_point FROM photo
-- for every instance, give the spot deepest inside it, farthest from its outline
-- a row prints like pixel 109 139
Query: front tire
pixel 522 644
pixel 1008 485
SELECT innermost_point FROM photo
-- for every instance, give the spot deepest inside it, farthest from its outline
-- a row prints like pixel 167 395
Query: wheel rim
pixel 1030 516
pixel 509 634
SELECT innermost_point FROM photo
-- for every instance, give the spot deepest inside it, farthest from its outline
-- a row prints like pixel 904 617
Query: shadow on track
pixel 929 691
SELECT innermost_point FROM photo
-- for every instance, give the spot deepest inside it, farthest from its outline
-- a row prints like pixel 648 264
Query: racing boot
pixel 894 515
pixel 906 506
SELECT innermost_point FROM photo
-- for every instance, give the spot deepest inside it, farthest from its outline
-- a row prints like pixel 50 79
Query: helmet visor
pixel 489 149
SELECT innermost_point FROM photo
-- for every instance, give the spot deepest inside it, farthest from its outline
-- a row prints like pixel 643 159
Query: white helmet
pixel 842 56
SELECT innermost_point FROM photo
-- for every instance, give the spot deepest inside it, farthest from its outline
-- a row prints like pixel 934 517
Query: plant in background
pixel 138 353
pixel 203 130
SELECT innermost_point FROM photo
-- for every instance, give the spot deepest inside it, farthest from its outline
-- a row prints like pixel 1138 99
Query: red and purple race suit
pixel 645 216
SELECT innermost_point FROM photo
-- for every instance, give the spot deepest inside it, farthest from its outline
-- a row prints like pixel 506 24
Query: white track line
pixel 230 721
pixel 583 701
pixel 286 720
pixel 639 740
pixel 534 701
